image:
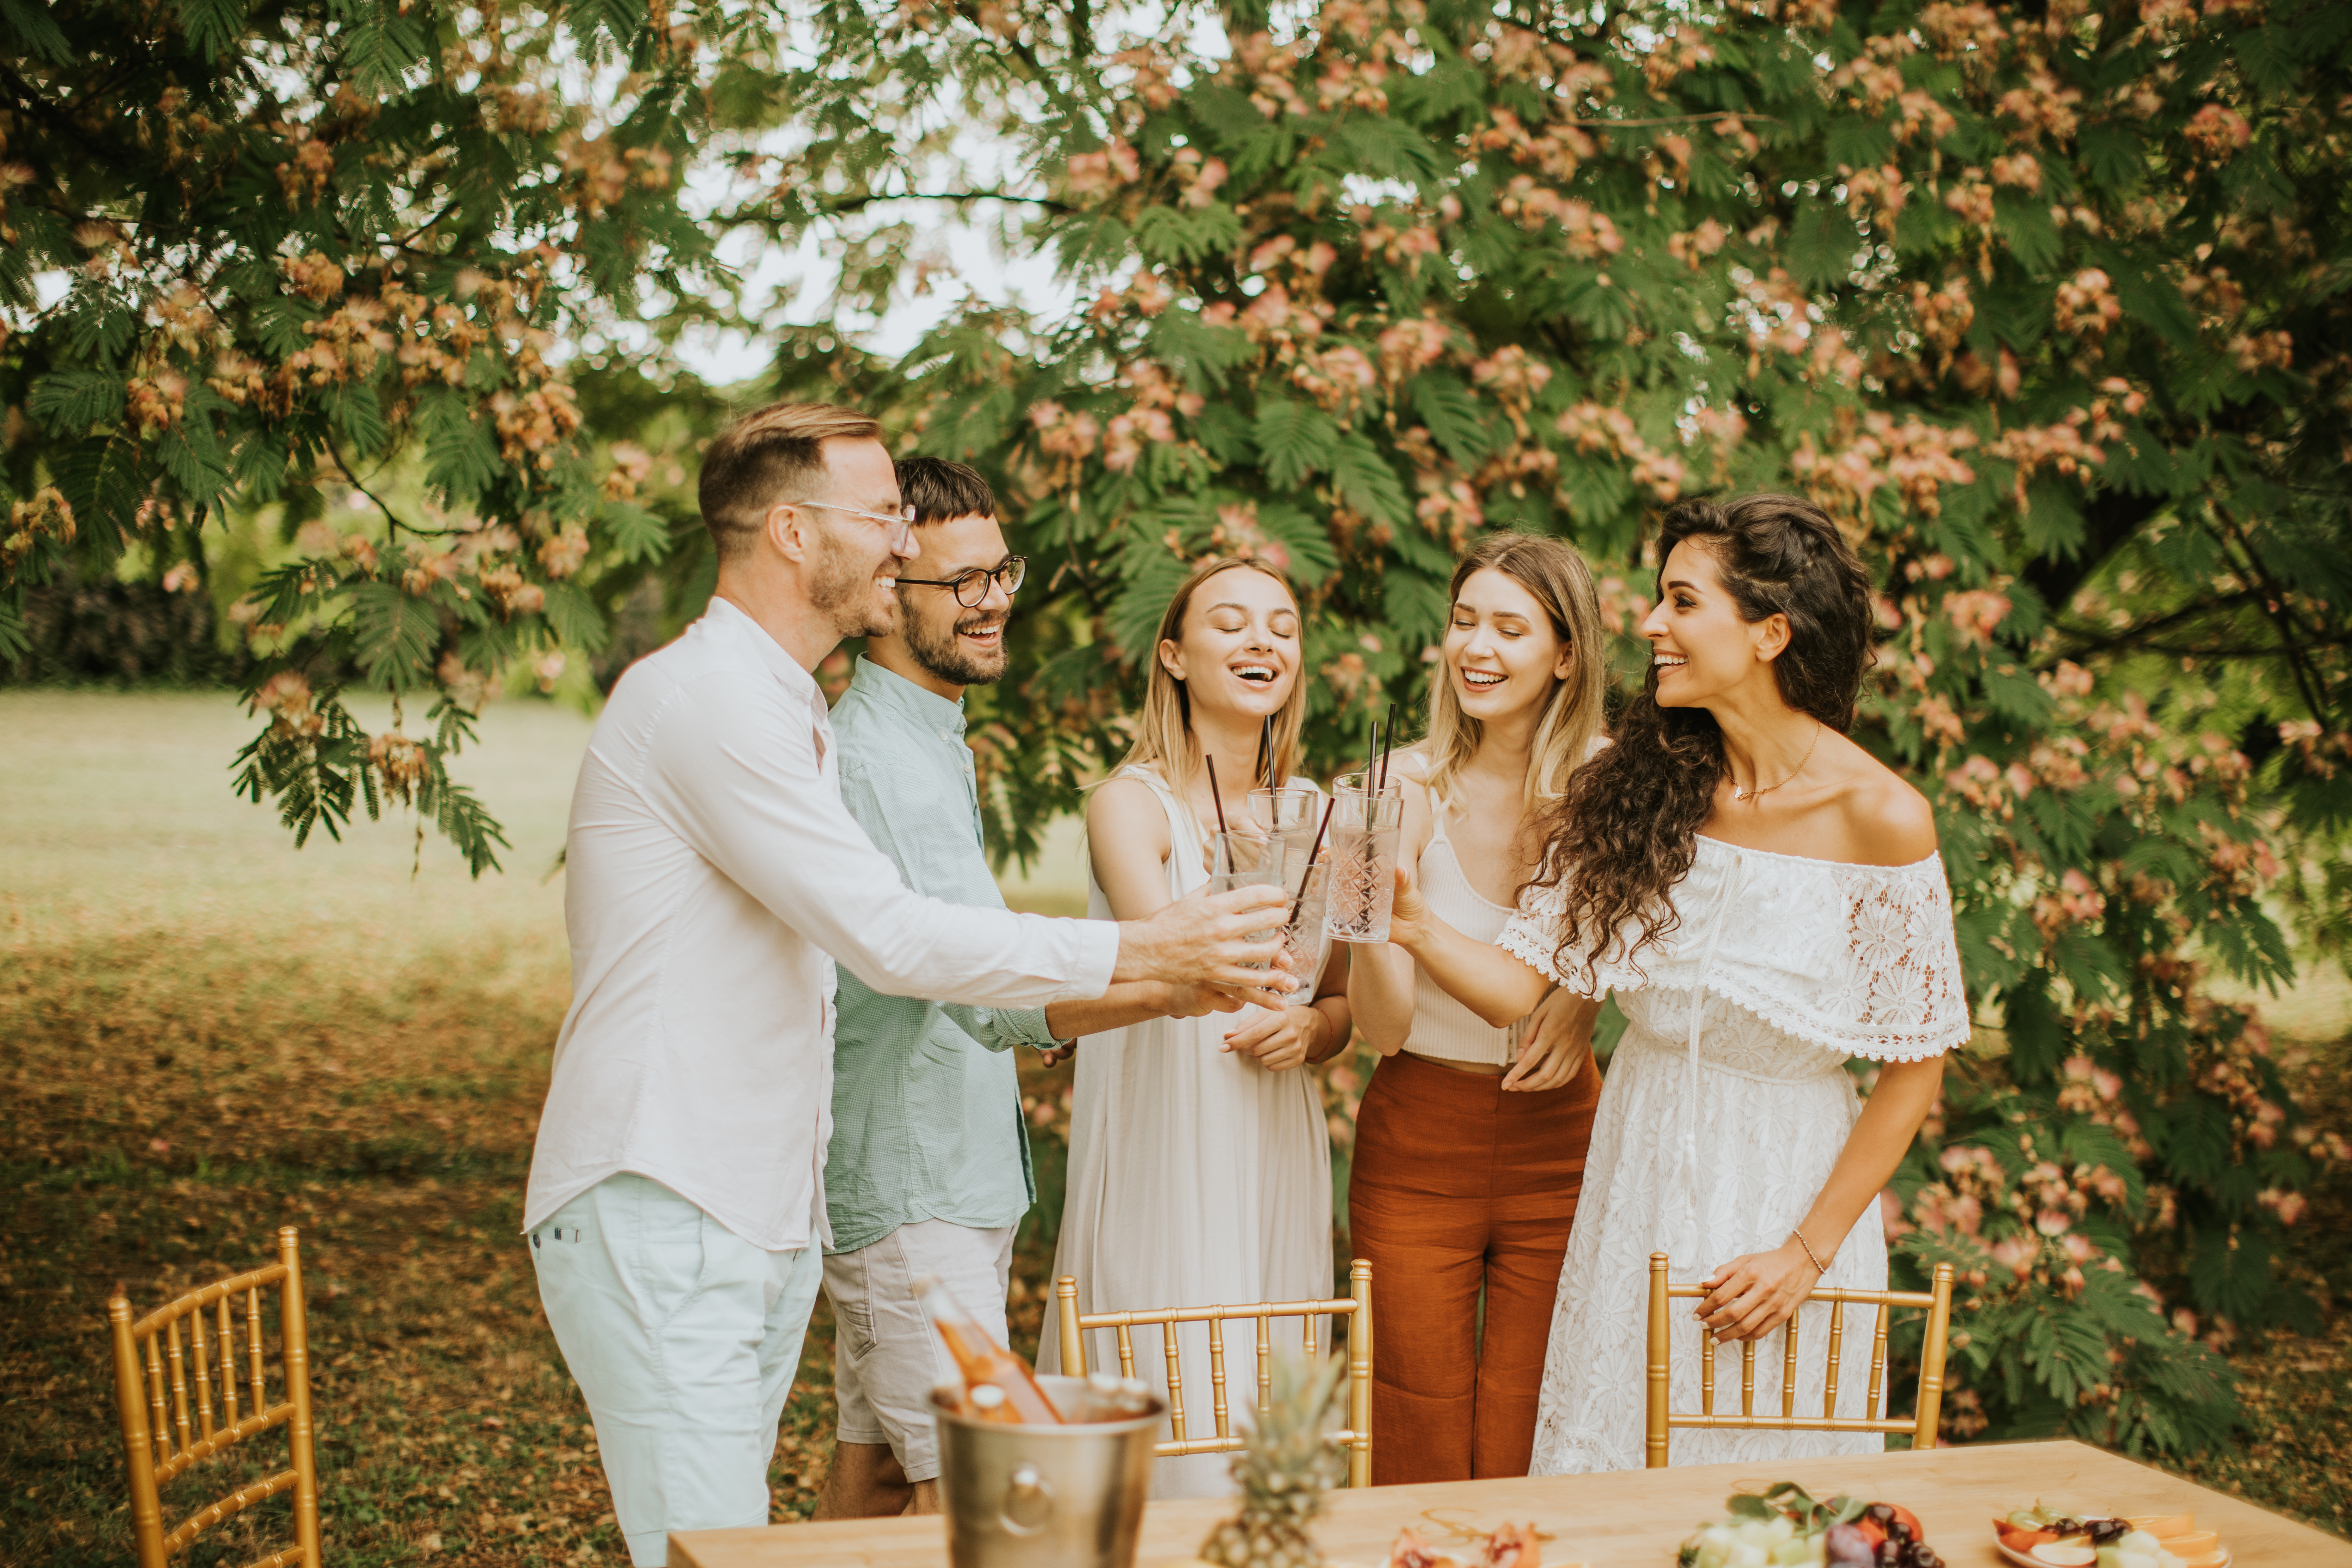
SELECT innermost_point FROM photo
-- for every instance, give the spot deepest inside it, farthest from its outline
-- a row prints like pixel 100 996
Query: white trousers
pixel 887 1357
pixel 684 1338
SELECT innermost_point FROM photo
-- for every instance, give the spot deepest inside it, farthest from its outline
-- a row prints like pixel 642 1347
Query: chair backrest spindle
pixel 1788 1369
pixel 203 1372
pixel 1878 1390
pixel 227 1341
pixel 175 1356
pixel 1264 1363
pixel 1217 1379
pixel 253 1348
pixel 161 1430
pixel 1167 1342
pixel 1837 1353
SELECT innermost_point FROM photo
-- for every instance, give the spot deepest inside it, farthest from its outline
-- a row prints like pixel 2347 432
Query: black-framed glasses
pixel 971 587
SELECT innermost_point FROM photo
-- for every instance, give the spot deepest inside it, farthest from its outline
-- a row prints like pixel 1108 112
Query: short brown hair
pixel 767 457
pixel 939 490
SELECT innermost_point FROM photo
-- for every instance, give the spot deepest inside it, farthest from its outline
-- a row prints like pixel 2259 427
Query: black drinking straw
pixel 1219 802
pixel 1265 751
pixel 1387 737
pixel 1304 876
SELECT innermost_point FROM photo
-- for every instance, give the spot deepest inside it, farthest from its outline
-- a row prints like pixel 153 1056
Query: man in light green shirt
pixel 929 1169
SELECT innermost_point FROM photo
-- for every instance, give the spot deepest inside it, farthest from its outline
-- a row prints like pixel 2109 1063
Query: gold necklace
pixel 1742 793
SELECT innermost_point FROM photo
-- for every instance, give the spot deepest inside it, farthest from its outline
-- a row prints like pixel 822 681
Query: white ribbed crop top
pixel 1442 1027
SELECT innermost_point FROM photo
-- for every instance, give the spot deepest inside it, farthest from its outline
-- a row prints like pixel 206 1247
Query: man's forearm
pixel 1129 1002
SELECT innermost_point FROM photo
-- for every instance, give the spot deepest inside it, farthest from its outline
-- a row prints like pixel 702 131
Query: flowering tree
pixel 2043 301
pixel 311 247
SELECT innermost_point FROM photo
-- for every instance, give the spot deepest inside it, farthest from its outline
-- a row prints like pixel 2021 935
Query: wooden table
pixel 1634 1519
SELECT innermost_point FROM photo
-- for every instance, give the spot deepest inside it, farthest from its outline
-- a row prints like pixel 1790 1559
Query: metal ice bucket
pixel 1047 1497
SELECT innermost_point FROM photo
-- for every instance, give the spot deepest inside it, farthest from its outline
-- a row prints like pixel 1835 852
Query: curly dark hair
pixel 1625 832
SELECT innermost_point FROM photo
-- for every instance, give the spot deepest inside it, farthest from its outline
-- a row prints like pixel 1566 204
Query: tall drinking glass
pixel 1364 839
pixel 1244 860
pixel 1302 937
pixel 1287 816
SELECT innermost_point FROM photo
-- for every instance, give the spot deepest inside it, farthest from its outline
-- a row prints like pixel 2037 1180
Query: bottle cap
pixel 987 1396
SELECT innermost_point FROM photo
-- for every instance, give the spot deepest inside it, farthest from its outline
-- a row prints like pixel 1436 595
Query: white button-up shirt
pixel 710 869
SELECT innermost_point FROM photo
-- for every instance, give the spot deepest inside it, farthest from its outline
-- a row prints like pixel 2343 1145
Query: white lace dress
pixel 1726 1106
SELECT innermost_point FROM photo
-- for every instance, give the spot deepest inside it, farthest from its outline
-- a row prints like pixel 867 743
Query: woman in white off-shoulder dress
pixel 1766 901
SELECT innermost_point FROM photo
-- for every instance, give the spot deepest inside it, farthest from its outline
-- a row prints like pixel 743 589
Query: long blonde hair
pixel 1571 719
pixel 1163 731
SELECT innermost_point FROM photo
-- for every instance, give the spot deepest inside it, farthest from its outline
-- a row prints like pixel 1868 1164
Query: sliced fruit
pixel 2063 1554
pixel 2217 1558
pixel 2026 1539
pixel 2163 1525
pixel 2192 1543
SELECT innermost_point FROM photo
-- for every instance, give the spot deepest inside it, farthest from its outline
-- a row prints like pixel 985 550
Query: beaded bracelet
pixel 1819 1266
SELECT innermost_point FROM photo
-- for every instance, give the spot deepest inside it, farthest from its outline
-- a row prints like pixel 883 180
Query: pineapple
pixel 1289 1463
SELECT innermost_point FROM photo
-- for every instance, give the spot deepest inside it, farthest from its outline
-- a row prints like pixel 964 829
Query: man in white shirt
pixel 675 1208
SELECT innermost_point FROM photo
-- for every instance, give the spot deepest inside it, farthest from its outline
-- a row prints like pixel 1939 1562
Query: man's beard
pixel 842 587
pixel 944 656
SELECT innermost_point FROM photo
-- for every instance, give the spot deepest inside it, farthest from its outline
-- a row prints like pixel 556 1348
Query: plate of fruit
pixel 2044 1537
pixel 1783 1526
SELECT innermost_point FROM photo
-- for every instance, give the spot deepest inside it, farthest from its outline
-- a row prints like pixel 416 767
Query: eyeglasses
pixel 901 522
pixel 971 587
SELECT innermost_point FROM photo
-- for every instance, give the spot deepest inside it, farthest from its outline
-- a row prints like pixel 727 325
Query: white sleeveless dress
pixel 1726 1106
pixel 1197 1178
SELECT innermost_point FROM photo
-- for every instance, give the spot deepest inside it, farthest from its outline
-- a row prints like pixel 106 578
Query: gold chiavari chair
pixel 1922 1425
pixel 1356 1436
pixel 164 1387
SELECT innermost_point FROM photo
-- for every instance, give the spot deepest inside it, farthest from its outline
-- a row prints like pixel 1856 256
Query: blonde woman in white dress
pixel 1766 900
pixel 1200 1163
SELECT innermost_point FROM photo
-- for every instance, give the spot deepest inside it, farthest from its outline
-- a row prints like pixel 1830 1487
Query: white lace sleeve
pixel 1533 937
pixel 1860 959
pixel 1901 986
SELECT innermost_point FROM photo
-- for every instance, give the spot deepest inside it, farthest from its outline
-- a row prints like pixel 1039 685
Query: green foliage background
pixel 2045 301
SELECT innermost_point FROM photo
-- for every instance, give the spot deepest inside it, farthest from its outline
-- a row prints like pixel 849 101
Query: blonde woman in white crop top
pixel 1470 1143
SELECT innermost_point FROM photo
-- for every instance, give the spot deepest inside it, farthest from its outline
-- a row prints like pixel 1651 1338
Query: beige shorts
pixel 887 1357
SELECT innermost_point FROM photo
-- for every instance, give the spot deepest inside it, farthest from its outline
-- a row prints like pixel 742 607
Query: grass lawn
pixel 208 1034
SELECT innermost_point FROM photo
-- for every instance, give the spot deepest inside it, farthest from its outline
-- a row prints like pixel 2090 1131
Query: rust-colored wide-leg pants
pixel 1456 1185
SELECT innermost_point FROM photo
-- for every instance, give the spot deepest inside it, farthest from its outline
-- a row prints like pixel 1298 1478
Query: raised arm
pixel 1379 978
pixel 1490 980
pixel 735 772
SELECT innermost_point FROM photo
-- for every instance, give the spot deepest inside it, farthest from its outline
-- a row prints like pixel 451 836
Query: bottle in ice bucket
pixel 998 1384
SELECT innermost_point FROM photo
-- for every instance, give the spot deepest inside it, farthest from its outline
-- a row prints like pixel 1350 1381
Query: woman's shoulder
pixel 1890 819
pixel 1129 798
pixel 1883 820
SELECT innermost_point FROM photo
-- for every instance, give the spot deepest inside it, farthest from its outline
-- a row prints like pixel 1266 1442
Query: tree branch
pixel 390 517
pixel 2111 518
pixel 1668 119
pixel 2089 641
pixel 2291 636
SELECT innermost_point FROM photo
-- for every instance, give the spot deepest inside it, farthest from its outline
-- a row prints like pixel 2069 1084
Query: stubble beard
pixel 944 656
pixel 841 586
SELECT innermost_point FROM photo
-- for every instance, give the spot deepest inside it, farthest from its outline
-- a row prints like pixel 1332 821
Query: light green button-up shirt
pixel 926 1100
